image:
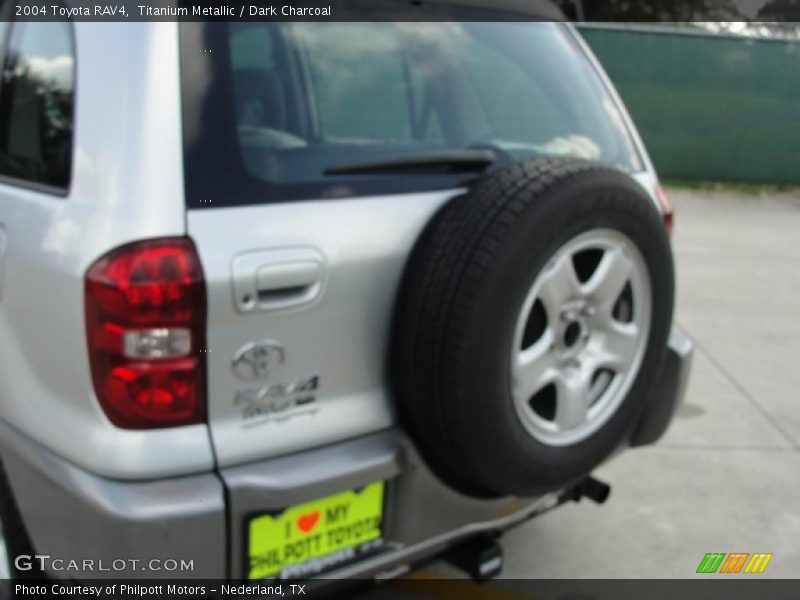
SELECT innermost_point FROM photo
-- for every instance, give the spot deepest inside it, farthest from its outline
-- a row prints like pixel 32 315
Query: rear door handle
pixel 282 278
pixel 287 282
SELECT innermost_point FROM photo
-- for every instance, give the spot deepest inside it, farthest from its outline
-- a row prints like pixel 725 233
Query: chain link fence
pixel 709 107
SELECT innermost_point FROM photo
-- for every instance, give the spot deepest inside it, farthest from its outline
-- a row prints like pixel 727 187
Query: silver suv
pixel 296 300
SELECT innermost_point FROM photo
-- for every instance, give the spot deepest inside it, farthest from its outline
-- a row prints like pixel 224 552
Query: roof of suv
pixel 539 10
pixel 542 9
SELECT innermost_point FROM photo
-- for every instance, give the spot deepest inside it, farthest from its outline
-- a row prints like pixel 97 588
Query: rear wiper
pixel 459 161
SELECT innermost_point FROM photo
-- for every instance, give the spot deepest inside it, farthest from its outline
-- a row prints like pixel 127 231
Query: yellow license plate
pixel 318 535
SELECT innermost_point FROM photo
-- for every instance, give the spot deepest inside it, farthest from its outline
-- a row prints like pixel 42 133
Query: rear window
pixel 278 104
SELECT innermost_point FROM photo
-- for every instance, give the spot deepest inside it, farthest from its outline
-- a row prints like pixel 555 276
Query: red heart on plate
pixel 308 521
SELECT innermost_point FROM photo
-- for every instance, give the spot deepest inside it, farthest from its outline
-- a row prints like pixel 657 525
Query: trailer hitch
pixel 591 488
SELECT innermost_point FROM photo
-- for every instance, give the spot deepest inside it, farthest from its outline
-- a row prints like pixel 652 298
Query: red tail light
pixel 145 326
pixel 666 208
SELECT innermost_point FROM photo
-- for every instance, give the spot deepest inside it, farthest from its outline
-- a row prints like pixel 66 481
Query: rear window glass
pixel 36 103
pixel 292 100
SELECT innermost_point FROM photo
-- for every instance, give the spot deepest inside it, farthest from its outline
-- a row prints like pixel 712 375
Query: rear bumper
pixel 74 515
pixel 124 529
pixel 135 530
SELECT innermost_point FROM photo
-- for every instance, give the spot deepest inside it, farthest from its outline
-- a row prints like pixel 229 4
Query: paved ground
pixel 726 477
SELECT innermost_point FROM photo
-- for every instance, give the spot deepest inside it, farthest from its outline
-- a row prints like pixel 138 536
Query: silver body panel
pixel 343 337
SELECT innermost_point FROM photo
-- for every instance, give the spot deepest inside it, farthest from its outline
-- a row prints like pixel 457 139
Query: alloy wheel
pixel 580 337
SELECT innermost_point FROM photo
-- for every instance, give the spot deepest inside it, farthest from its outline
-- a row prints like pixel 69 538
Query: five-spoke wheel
pixel 580 337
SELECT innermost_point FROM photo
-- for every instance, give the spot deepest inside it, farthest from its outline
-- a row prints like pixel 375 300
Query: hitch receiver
pixel 481 557
pixel 591 488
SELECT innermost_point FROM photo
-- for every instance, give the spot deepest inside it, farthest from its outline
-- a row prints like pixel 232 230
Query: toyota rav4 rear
pixel 321 299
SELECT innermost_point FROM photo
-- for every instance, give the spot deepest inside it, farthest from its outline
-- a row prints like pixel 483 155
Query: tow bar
pixel 481 557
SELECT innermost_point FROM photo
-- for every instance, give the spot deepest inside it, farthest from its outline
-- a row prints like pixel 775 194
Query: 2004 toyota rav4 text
pixel 330 300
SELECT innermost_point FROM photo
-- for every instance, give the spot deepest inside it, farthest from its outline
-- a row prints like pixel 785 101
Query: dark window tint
pixel 280 104
pixel 251 47
pixel 36 103
pixel 4 26
pixel 394 89
pixel 360 95
pixel 517 106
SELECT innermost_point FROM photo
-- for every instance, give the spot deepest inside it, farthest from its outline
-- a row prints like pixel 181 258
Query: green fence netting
pixel 718 108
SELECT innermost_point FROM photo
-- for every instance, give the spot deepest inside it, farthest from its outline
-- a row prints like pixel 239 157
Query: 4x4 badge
pixel 256 360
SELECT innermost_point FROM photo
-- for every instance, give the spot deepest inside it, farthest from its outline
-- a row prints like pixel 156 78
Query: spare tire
pixel 534 316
